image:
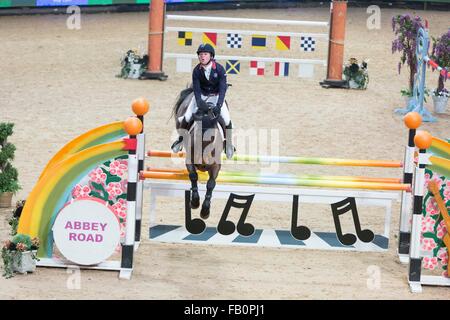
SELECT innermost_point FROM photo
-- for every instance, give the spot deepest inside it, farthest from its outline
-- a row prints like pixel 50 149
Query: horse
pixel 203 139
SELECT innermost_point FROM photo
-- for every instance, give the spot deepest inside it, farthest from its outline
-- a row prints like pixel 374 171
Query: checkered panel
pixel 307 44
pixel 234 40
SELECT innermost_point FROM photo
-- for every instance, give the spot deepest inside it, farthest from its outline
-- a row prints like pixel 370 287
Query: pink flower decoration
pixel 120 209
pixel 97 176
pixel 80 191
pixel 124 185
pixel 441 230
pixel 432 207
pixel 428 244
pixel 427 225
pixel 430 263
pixel 443 256
pixel 447 191
pixel 117 168
pixel 114 189
pixel 435 178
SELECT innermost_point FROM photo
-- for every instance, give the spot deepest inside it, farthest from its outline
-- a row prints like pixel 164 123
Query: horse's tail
pixel 183 94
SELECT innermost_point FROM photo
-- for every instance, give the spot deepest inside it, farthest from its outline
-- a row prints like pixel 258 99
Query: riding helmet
pixel 206 47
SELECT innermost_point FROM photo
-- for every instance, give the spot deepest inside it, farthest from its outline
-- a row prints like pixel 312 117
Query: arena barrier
pixel 334 34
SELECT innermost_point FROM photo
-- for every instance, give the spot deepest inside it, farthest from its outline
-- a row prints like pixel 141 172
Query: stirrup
pixel 177 145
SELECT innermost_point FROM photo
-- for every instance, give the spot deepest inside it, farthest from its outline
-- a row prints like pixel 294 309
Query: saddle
pixel 206 115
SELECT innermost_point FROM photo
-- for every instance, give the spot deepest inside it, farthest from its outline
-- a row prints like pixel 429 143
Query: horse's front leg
pixel 193 176
pixel 210 185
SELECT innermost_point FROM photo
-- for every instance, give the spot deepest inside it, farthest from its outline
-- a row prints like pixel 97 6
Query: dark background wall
pixel 59 6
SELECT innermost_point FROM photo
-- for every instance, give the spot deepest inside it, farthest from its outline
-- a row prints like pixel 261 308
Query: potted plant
pixel 406 29
pixel 356 75
pixel 19 255
pixel 9 184
pixel 133 65
pixel 16 213
pixel 441 55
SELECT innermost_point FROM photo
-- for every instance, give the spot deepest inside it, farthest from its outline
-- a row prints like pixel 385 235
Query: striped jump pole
pixel 140 107
pixel 423 141
pixel 281 181
pixel 433 64
pixel 286 175
pixel 412 120
pixel 133 126
pixel 291 160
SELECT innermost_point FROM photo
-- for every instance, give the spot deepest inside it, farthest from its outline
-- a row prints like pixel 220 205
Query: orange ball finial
pixel 423 139
pixel 413 120
pixel 132 126
pixel 140 106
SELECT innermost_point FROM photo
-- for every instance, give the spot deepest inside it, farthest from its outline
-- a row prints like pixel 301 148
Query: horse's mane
pixel 183 94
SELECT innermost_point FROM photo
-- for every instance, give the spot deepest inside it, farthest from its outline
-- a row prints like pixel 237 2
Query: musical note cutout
pixel 194 226
pixel 349 239
pixel 226 227
pixel 298 232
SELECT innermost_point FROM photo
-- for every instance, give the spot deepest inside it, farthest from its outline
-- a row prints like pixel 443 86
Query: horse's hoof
pixel 204 213
pixel 195 202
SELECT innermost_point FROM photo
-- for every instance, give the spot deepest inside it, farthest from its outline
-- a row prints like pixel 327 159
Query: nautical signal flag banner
pixel 184 38
pixel 283 43
pixel 234 40
pixel 257 68
pixel 210 37
pixel 233 67
pixel 258 41
pixel 281 69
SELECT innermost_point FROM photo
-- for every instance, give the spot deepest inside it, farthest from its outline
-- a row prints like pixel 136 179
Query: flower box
pixel 440 104
pixel 24 262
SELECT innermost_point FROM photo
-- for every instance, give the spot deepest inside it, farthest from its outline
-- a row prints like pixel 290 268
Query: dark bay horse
pixel 203 140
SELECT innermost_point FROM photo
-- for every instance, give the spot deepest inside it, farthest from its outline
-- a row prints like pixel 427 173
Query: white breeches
pixel 192 108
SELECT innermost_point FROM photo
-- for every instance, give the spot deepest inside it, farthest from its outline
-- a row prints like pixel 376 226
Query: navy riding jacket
pixel 216 84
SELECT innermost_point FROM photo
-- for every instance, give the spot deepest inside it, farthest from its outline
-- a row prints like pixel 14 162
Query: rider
pixel 209 81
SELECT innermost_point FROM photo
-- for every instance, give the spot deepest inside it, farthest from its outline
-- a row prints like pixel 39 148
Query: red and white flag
pixel 257 68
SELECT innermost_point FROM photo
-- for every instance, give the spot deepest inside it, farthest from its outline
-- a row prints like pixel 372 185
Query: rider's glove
pixel 202 105
pixel 216 110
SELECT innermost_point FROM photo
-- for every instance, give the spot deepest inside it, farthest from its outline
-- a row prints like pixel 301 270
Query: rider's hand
pixel 216 110
pixel 202 105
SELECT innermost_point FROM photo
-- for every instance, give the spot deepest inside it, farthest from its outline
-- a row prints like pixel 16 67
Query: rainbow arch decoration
pixel 69 165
